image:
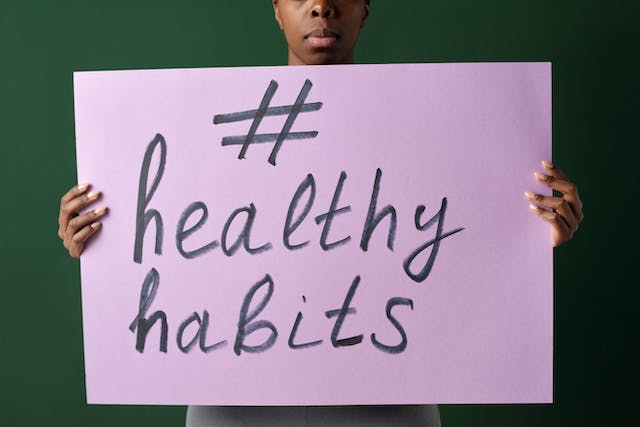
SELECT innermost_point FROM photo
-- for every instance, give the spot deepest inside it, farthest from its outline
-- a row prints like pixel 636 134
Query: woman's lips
pixel 322 38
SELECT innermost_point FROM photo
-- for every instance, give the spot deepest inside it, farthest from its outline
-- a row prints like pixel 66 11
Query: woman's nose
pixel 323 8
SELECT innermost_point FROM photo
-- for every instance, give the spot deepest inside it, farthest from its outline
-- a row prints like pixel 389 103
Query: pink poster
pixel 329 235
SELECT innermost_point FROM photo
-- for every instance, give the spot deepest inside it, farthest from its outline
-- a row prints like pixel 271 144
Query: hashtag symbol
pixel 291 111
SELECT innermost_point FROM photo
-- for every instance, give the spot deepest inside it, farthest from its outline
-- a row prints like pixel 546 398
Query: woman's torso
pixel 314 416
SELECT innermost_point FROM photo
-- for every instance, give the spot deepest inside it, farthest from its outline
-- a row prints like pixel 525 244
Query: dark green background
pixel 591 44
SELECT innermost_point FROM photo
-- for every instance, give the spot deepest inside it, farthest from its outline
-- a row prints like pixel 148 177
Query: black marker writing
pixel 246 324
pixel 438 218
pixel 341 314
pixel 143 325
pixel 394 349
pixel 327 218
pixel 194 329
pixel 289 227
pixel 263 110
pixel 294 331
pixel 143 216
pixel 200 336
pixel 182 234
pixel 245 234
pixel 373 218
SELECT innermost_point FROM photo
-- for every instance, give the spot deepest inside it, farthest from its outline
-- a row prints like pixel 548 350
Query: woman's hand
pixel 563 213
pixel 76 228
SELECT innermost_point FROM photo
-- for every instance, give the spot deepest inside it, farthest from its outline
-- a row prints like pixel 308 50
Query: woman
pixel 323 32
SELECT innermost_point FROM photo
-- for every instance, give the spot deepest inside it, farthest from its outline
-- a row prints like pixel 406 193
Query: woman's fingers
pixel 80 202
pixel 78 223
pixel 560 231
pixel 76 228
pixel 63 216
pixel 79 239
pixel 553 170
pixel 559 184
pixel 556 204
pixel 73 193
pixel 71 203
pixel 556 179
pixel 563 213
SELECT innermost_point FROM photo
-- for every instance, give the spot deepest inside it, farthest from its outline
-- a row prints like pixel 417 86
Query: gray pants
pixel 314 416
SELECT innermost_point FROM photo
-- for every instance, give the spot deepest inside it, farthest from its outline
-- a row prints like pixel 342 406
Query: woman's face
pixel 321 31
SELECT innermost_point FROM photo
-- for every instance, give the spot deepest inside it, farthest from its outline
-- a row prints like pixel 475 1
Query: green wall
pixel 591 44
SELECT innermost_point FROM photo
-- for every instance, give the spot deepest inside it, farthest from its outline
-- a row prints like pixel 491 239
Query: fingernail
pixel 529 195
pixel 534 208
pixel 96 225
pixel 547 164
pixel 82 187
pixel 93 194
pixel 100 210
pixel 540 176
